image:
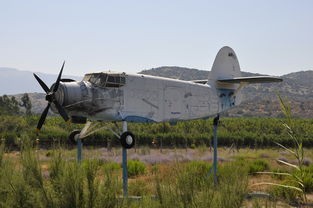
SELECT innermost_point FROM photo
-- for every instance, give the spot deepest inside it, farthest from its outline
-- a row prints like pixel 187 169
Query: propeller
pixel 50 97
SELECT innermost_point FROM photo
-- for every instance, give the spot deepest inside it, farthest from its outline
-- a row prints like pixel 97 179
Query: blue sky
pixel 270 37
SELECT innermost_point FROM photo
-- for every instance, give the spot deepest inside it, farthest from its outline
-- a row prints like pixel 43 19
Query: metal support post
pixel 215 125
pixel 124 165
pixel 79 149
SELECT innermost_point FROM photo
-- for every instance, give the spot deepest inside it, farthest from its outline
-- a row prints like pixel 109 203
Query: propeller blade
pixel 50 97
pixel 43 117
pixel 56 86
pixel 61 111
pixel 42 84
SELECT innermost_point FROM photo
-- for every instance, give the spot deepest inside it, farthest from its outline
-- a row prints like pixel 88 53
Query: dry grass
pixel 164 164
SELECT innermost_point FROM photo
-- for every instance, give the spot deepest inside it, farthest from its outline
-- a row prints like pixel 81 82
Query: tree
pixel 26 103
pixel 8 106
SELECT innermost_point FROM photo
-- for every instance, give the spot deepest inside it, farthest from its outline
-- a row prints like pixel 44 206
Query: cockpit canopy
pixel 103 79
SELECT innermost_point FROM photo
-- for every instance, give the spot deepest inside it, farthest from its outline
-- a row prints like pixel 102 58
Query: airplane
pixel 113 97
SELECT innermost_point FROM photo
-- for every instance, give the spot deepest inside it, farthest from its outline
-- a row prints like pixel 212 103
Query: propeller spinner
pixel 50 97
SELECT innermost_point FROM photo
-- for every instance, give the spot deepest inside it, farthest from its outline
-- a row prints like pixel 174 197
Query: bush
pixel 138 188
pixel 233 183
pixel 308 179
pixel 185 188
pixel 199 168
pixel 135 168
pixel 290 195
pixel 258 166
pixel 277 174
pixel 111 166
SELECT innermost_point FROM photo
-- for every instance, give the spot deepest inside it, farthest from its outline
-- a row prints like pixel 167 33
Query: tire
pixel 127 140
pixel 72 135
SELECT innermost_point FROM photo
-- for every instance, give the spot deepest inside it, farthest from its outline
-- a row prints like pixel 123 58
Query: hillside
pixel 14 81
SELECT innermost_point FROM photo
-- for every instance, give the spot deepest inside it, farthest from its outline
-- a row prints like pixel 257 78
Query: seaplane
pixel 114 97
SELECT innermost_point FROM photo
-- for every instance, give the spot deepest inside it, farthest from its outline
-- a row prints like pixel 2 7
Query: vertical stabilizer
pixel 225 66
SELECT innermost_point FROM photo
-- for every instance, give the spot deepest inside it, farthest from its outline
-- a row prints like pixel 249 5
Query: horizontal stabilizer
pixel 254 79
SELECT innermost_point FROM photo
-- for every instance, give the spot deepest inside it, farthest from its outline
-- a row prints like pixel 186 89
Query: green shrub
pixel 185 188
pixel 192 178
pixel 138 188
pixel 258 166
pixel 308 179
pixel 278 174
pixel 111 166
pixel 71 182
pixel 135 168
pixel 92 168
pixel 109 190
pixel 1 153
pixel 287 194
pixel 308 183
pixel 232 186
pixel 294 186
pixel 198 168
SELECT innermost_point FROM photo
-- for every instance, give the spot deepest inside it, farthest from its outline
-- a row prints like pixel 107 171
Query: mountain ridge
pixel 15 81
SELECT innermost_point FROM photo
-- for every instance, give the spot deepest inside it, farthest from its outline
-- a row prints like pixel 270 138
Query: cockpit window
pixel 106 80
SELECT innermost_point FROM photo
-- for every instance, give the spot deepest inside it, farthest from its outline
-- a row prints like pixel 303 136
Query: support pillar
pixel 79 149
pixel 215 125
pixel 124 165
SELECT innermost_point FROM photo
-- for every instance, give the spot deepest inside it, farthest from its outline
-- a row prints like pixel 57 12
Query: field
pixel 240 132
pixel 161 177
pixel 263 162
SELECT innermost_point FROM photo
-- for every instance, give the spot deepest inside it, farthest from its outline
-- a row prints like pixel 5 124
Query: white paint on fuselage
pixel 162 99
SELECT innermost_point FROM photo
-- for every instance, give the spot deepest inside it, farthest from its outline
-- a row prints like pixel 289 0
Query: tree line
pixel 237 132
pixel 9 105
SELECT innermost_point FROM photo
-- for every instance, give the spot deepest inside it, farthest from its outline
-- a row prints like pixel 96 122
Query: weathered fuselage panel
pixel 160 99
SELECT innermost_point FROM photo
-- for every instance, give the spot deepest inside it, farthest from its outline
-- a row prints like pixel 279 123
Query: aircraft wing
pixel 254 79
pixel 204 81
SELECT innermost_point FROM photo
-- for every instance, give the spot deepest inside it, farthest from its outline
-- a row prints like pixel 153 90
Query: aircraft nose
pixel 59 94
pixel 72 94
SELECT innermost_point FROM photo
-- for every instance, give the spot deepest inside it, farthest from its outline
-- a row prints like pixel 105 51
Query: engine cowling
pixel 74 96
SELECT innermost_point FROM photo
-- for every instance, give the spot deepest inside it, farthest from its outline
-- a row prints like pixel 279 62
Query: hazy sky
pixel 270 37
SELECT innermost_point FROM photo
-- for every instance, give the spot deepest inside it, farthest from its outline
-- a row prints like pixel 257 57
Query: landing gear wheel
pixel 127 140
pixel 72 137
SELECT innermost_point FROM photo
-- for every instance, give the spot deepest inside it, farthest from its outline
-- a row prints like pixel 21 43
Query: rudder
pixel 225 66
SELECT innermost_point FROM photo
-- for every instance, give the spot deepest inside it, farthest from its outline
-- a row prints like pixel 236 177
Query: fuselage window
pixel 106 80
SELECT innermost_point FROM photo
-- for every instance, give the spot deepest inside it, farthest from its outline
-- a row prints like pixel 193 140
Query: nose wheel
pixel 127 140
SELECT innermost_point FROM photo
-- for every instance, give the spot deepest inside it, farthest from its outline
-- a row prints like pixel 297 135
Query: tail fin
pixel 225 77
pixel 225 66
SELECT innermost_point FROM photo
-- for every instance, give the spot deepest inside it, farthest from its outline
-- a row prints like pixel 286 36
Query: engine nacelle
pixel 74 96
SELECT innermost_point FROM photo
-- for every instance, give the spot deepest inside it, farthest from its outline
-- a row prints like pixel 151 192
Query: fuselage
pixel 108 96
